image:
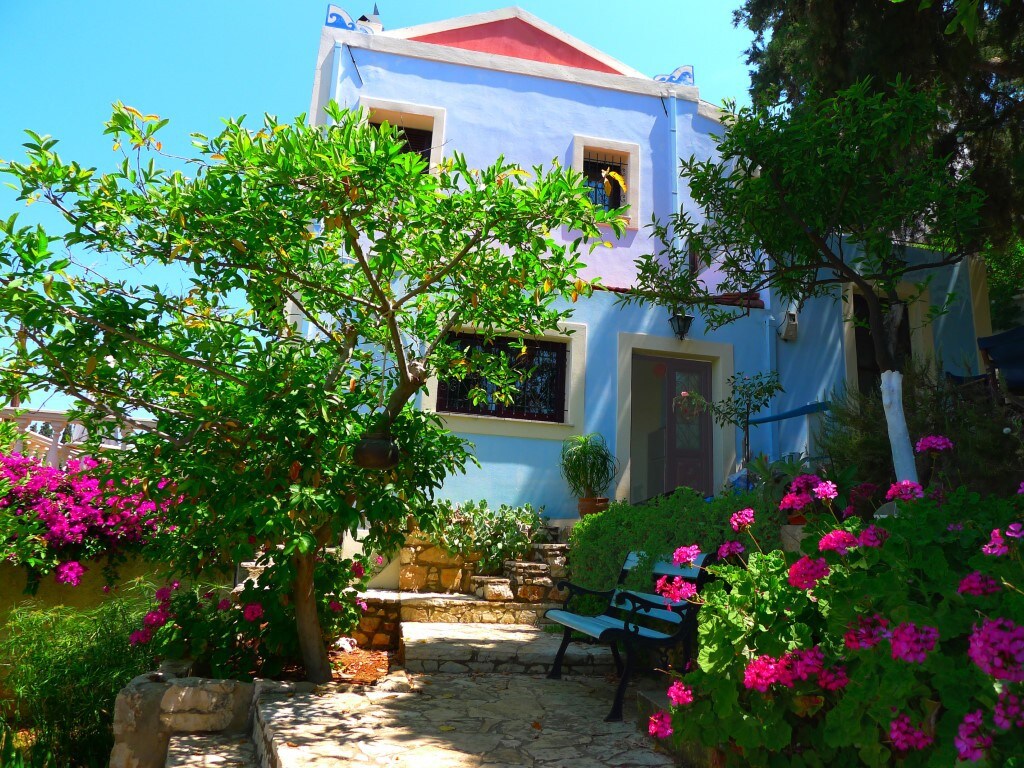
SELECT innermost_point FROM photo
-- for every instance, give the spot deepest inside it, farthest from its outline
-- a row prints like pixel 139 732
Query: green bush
pixel 472 528
pixel 988 442
pixel 599 543
pixel 63 668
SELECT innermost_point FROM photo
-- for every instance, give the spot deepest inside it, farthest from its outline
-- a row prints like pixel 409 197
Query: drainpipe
pixel 771 341
pixel 335 73
pixel 673 148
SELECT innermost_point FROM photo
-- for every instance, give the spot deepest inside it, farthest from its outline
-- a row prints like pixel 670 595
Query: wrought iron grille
pixel 594 162
pixel 541 390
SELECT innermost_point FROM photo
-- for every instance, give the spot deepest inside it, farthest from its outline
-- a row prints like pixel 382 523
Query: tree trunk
pixel 307 622
pixel 896 421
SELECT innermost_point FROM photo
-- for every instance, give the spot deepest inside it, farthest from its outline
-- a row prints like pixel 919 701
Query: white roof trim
pixel 514 12
pixel 430 52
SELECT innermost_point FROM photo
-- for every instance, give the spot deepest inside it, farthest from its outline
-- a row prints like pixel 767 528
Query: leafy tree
pixel 973 50
pixel 807 199
pixel 1006 282
pixel 307 280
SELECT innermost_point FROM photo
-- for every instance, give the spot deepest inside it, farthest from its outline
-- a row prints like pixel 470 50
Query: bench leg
pixel 615 715
pixel 556 668
pixel 617 657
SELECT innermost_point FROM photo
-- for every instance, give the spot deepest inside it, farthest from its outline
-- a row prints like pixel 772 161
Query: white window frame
pixel 581 143
pixel 406 114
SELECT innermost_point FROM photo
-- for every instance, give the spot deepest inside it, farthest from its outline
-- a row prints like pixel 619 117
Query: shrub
pixel 599 543
pixel 64 667
pixel 989 443
pixel 899 642
pixel 473 529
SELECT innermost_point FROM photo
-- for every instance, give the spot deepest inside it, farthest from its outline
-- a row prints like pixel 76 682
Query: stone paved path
pixel 453 721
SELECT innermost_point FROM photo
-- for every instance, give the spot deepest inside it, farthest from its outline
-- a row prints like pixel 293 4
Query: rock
pixel 497 591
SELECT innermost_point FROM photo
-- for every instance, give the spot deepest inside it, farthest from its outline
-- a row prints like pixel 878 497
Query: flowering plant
pixel 51 519
pixel 894 642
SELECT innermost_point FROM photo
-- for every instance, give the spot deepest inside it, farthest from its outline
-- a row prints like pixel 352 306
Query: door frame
pixel 721 358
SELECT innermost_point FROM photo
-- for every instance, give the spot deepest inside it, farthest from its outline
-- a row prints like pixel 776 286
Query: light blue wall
pixel 532 120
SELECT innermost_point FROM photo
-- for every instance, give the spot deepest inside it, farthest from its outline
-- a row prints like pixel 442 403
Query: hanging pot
pixel 376 450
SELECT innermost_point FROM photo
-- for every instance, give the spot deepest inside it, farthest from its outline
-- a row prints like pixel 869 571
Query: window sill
pixel 507 427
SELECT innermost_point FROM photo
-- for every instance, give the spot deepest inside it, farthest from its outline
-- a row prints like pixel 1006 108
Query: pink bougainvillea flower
pixel 978 584
pixel 680 694
pixel 906 490
pixel 357 570
pixel 996 544
pixel 335 607
pixel 730 548
pixel 70 572
pixel 676 589
pixel 163 594
pixel 660 725
pixel 826 489
pixel 686 555
pixel 912 643
pixel 837 541
pixel 252 611
pixel 997 648
pixel 140 637
pixel 156 619
pixel 905 736
pixel 866 632
pixel 934 443
pixel 971 742
pixel 872 536
pixel 806 572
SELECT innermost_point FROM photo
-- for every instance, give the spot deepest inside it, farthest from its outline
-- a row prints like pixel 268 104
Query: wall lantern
pixel 680 322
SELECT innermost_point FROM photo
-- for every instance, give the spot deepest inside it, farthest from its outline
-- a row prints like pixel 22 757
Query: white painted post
pixel 53 455
pixel 896 421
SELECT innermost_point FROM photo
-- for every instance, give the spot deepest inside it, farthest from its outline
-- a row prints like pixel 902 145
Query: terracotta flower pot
pixel 592 506
pixel 376 450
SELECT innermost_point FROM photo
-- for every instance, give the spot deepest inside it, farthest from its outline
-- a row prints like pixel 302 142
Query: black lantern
pixel 680 322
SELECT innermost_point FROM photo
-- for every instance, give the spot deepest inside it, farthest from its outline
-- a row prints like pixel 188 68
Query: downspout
pixel 673 146
pixel 335 73
pixel 771 340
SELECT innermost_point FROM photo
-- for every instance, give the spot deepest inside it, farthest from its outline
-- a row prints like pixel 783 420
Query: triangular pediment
pixel 517 34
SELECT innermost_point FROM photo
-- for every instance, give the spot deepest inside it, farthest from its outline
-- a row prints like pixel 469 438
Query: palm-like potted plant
pixel 588 466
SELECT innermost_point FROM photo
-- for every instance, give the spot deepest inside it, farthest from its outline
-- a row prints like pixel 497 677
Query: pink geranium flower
pixel 680 694
pixel 675 590
pixel 912 643
pixel 837 541
pixel 730 548
pixel 686 555
pixel 872 536
pixel 252 611
pixel 978 584
pixel 996 544
pixel 660 725
pixel 905 736
pixel 357 570
pixel 806 572
pixel 742 519
pixel 826 489
pixel 335 607
pixel 971 741
pixel 906 490
pixel 934 443
pixel 997 649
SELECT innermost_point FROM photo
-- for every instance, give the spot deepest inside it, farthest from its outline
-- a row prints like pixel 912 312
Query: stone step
pixel 468 609
pixel 475 647
pixel 210 750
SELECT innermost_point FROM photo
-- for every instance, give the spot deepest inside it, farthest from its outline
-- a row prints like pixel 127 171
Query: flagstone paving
pixel 452 721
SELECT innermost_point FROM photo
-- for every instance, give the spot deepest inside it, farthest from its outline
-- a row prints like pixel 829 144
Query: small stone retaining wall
pixel 380 626
pixel 426 567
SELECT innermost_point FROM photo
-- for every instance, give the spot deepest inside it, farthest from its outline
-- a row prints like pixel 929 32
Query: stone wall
pixel 426 567
pixel 380 625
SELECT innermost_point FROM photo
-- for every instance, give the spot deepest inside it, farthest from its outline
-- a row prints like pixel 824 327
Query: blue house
pixel 506 82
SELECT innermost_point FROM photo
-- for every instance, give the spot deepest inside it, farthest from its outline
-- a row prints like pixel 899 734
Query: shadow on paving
pixel 452 721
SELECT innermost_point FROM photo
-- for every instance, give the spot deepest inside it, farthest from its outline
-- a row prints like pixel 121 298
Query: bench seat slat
pixel 600 627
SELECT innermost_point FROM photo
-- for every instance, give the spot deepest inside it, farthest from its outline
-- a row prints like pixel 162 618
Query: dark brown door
pixel 688 450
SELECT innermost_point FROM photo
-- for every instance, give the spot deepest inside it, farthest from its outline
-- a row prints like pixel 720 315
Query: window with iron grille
pixel 596 166
pixel 540 395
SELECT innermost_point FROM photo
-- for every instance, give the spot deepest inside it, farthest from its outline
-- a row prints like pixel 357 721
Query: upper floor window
pixel 419 140
pixel 422 127
pixel 606 173
pixel 541 389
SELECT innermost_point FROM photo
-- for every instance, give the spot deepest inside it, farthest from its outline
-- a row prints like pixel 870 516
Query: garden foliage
pixel 472 529
pixel 893 642
pixel 63 668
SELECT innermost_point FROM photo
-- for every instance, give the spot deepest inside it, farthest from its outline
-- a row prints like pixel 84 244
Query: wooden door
pixel 688 437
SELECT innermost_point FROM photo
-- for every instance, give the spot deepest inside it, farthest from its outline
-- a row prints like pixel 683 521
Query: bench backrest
pixel 677 613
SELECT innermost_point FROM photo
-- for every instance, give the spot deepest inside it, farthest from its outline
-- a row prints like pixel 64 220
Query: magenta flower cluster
pixel 866 632
pixel 660 725
pixel 904 490
pixel 997 648
pixel 680 694
pixel 74 516
pixel 978 585
pixel 913 643
pixel 798 665
pixel 686 555
pixel 676 589
pixel 806 572
pixel 906 736
pixel 156 618
pixel 934 443
pixel 800 493
pixel 742 519
pixel 730 548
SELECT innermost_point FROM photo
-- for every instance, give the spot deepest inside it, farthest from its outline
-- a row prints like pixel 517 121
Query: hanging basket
pixel 376 450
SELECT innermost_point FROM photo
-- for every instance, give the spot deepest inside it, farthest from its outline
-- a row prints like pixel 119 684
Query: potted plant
pixel 588 467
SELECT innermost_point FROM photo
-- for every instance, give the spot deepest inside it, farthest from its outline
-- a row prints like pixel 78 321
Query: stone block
pixel 412 578
pixel 438 556
pixel 497 591
pixel 532 594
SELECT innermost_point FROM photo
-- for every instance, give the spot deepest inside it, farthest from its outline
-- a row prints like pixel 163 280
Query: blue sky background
pixel 63 63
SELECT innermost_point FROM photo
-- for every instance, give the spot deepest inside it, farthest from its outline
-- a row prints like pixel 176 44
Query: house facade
pixel 507 83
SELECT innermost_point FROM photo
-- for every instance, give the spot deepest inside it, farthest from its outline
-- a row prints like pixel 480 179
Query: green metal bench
pixel 634 619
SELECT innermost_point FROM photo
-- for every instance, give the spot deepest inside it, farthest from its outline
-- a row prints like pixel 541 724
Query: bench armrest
pixel 575 590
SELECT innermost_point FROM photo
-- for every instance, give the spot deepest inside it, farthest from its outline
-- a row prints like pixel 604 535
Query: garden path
pixel 452 721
